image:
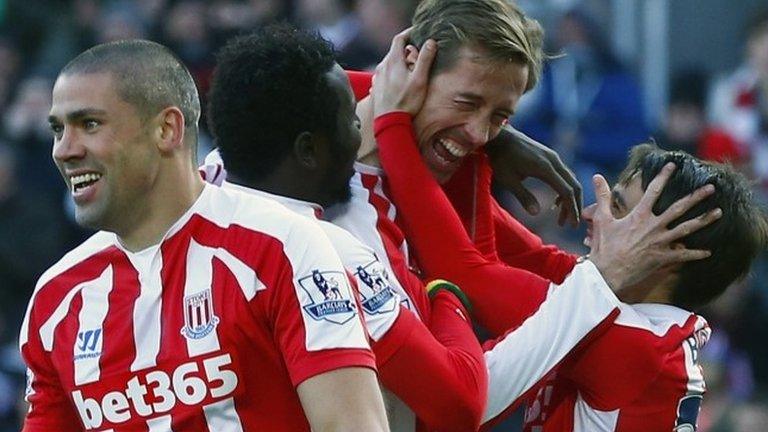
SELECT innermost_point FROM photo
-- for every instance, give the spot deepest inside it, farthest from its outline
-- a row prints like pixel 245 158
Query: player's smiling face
pixel 102 150
pixel 466 106
pixel 624 197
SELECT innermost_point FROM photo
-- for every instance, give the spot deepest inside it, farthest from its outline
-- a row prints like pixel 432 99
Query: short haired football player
pixel 193 308
pixel 640 372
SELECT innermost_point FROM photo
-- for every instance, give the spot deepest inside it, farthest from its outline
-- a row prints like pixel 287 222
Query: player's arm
pixel 341 400
pixel 519 247
pixel 315 342
pixel 449 392
pixel 50 409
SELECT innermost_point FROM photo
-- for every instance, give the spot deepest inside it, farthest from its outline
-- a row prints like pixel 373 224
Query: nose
pixel 478 132
pixel 67 147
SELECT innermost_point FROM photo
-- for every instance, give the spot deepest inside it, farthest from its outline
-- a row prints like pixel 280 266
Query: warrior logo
pixel 375 289
pixel 87 344
pixel 199 319
pixel 326 292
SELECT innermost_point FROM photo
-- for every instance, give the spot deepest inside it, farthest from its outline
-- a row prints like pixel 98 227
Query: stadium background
pixel 632 69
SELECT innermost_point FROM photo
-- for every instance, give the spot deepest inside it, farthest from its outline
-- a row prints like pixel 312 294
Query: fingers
pixel 400 40
pixel 524 196
pixel 686 203
pixel 602 195
pixel 424 62
pixel 692 225
pixel 654 188
pixel 677 256
pixel 575 186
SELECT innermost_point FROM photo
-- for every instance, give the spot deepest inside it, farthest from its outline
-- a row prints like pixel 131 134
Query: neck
pixel 656 288
pixel 368 152
pixel 284 185
pixel 175 191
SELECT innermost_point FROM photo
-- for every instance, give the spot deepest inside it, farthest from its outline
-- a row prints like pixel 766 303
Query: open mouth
pixel 82 182
pixel 449 151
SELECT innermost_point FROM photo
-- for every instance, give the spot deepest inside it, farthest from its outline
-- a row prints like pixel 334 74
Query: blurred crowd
pixel 589 107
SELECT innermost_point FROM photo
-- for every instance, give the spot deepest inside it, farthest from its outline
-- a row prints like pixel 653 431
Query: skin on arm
pixel 341 400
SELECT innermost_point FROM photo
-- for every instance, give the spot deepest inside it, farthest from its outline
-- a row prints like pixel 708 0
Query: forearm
pixel 575 312
pixel 448 392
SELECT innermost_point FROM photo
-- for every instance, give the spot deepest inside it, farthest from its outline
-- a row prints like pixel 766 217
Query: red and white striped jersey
pixel 641 375
pixel 517 360
pixel 210 330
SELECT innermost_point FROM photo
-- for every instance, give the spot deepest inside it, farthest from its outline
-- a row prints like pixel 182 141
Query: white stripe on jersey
pixel 160 424
pixel 90 338
pixel 48 328
pixel 588 419
pixel 200 278
pixel 222 416
pixel 246 277
pixel 360 218
pixel 691 347
pixel 147 308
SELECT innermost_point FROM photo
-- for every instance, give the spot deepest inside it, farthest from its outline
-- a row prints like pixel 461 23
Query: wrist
pixel 437 285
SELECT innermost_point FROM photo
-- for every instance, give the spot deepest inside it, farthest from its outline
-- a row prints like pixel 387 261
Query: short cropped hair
pixel 269 87
pixel 734 240
pixel 148 76
pixel 498 27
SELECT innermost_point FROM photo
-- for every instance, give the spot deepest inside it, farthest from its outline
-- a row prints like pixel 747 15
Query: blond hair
pixel 498 27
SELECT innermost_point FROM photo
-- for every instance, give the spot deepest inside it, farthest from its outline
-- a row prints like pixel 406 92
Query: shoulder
pixel 228 207
pixel 93 246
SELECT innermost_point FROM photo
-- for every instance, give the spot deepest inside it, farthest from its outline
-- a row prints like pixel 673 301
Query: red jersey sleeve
pixel 50 408
pixel 519 247
pixel 503 296
pixel 449 393
pixel 313 311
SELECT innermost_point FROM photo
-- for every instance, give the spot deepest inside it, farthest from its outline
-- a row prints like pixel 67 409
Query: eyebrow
pixel 618 199
pixel 476 97
pixel 78 114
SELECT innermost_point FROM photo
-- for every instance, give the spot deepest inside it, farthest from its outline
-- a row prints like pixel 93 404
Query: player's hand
pixel 396 86
pixel 515 157
pixel 629 249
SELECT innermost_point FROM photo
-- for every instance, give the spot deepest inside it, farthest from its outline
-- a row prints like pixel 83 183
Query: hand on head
pixel 396 86
pixel 629 249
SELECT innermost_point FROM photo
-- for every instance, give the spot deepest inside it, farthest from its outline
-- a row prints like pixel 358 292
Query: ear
pixel 170 129
pixel 411 54
pixel 306 149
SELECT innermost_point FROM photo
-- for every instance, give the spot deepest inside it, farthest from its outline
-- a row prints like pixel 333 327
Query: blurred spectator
pixel 740 101
pixel 230 17
pixel 26 128
pixel 588 106
pixel 380 21
pixel 30 240
pixel 9 68
pixel 334 19
pixel 686 127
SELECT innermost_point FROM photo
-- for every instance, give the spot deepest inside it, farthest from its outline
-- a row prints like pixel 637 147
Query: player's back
pixel 212 329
